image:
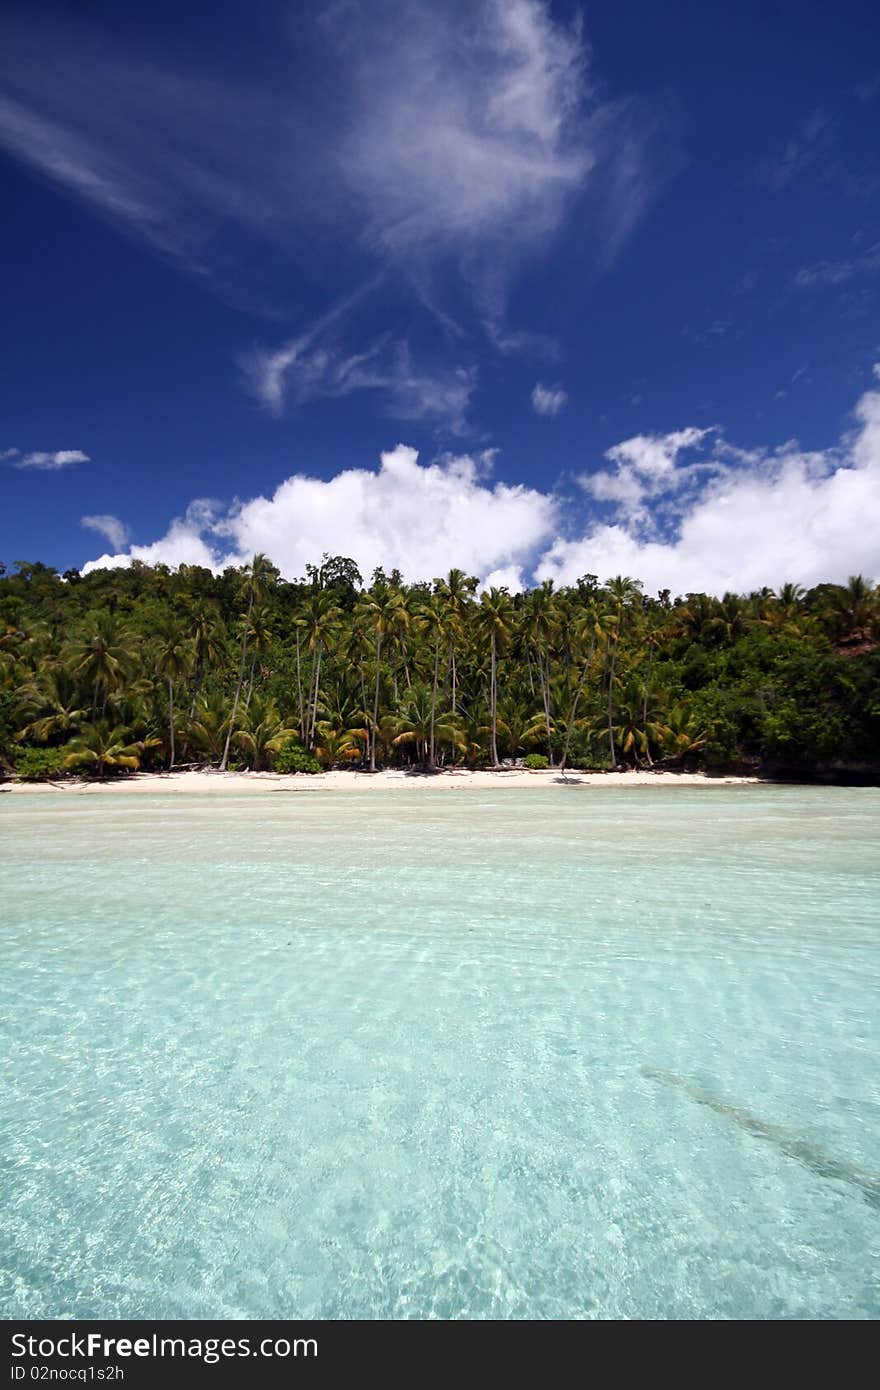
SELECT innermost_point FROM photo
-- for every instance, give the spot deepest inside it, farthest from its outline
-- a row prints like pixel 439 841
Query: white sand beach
pixel 226 783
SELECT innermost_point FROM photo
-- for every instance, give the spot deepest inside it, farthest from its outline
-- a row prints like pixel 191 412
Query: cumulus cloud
pixel 717 518
pixel 548 400
pixel 115 530
pixel 49 462
pixel 183 544
pixel 759 517
pixel 420 518
pixel 645 467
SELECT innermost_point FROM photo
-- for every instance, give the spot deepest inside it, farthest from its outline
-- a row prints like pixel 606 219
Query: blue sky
pixel 599 284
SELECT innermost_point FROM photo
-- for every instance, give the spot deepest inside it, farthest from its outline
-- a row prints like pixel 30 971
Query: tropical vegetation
pixel 154 668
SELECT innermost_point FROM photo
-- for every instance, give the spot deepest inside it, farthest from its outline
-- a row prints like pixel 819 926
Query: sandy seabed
pixel 219 783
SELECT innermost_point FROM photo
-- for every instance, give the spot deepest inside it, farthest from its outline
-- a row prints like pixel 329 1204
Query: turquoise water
pixel 556 1053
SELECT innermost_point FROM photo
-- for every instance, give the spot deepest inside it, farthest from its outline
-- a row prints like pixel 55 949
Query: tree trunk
pixel 574 705
pixel 241 669
pixel 546 684
pixel 171 721
pixel 493 697
pixel 645 707
pixel 611 702
pixel 317 693
pixel 247 701
pixel 299 693
pixel 375 705
pixel 431 749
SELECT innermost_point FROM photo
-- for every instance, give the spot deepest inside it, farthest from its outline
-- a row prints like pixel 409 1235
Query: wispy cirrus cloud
pixel 44 461
pixel 824 274
pixel 548 400
pixel 116 531
pixel 803 152
pixel 296 374
pixel 441 145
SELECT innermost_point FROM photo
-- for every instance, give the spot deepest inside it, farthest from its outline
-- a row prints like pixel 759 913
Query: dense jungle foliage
pixel 148 667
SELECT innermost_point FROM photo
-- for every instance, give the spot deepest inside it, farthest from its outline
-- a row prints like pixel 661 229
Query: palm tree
pixel 590 628
pixel 519 724
pixel 56 703
pixel 258 575
pixel 417 724
pixel 206 648
pixel 339 745
pixel 457 593
pixel 101 747
pixel 208 728
pixel 541 624
pixel 853 607
pixel 682 736
pixel 173 662
pixel 496 613
pixel 382 612
pixel 265 732
pixel 622 593
pixel 432 619
pixel 97 656
pixel 259 641
pixel 318 622
pixel 634 731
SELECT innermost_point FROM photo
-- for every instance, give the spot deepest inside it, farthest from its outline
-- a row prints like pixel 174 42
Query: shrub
pixel 535 761
pixel 39 764
pixel 294 758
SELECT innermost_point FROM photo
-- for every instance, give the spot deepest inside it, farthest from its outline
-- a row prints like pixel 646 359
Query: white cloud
pixel 51 462
pixel 734 519
pixel 455 136
pixel 7 454
pixel 313 367
pixel 115 530
pixel 183 544
pixel 421 519
pixel 655 455
pixel 761 517
pixel 831 273
pixel 469 125
pixel 645 467
pixel 548 400
pixel 510 577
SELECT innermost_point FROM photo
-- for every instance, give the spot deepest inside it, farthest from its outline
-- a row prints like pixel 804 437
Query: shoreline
pixel 214 783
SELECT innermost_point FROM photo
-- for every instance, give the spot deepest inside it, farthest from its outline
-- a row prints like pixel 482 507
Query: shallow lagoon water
pixel 562 1053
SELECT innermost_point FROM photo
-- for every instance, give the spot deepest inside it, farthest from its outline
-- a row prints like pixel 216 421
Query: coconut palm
pixel 541 616
pixel 495 619
pixel 339 745
pixel 622 593
pixel 520 725
pixel 318 623
pixel 101 748
pixel 208 728
pixel 382 613
pixel 265 732
pixel 173 662
pixel 97 655
pixel 56 705
pixel 259 575
pixel 456 592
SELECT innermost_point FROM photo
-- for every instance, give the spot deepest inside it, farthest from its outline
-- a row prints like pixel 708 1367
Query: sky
pixel 533 289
